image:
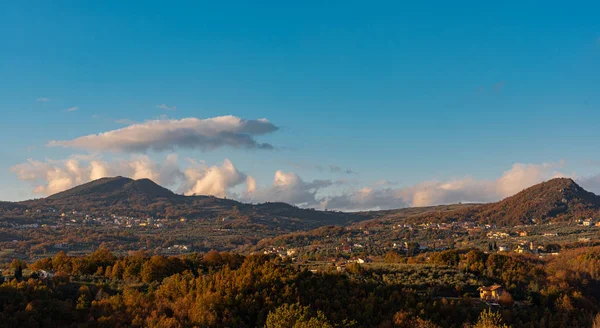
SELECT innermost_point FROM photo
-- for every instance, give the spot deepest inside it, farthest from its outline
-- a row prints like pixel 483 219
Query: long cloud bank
pixel 467 189
pixel 190 133
pixel 225 180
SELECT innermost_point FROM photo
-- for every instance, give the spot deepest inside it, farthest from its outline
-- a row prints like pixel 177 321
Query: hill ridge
pixel 143 197
pixel 115 185
pixel 554 199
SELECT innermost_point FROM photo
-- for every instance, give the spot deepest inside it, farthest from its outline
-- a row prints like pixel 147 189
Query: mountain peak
pixel 562 182
pixel 111 187
pixel 558 197
pixel 143 197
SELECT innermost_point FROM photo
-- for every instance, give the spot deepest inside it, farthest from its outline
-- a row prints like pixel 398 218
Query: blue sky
pixel 417 94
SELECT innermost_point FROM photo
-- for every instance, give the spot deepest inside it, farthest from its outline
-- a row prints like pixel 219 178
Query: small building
pixel 45 274
pixel 491 294
pixel 356 260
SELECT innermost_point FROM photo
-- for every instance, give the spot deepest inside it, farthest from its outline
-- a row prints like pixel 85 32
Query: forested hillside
pixel 226 290
pixel 559 199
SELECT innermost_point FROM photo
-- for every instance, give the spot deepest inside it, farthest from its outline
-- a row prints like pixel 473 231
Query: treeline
pixel 229 290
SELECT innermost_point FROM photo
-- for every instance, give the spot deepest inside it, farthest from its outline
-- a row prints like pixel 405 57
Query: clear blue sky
pixel 401 91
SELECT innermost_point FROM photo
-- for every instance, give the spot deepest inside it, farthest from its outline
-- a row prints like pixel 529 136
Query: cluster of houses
pixel 129 222
pixel 176 249
pixel 282 252
pixel 40 211
pixel 497 235
pixel 531 248
pixel 465 225
pixel 589 222
pixel 75 218
pixel 24 226
pixel 505 235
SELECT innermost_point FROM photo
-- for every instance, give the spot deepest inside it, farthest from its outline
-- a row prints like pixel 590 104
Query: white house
pixel 45 274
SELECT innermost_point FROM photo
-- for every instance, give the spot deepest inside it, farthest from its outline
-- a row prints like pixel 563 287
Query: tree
pixel 490 319
pixel 596 322
pixel 296 316
pixel 506 299
pixel 82 302
pixel 17 266
pixel 155 269
pixel 553 248
pixel 449 257
pixel 61 262
pixel 403 319
pixel 412 249
pixel 212 258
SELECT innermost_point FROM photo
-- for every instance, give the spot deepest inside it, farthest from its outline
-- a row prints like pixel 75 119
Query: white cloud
pixel 467 189
pixel 71 109
pixel 197 177
pixel 365 198
pixel 192 133
pixel 288 187
pixel 166 107
pixel 98 170
pixel 251 185
pixel 214 180
pixel 52 176
pixel 42 99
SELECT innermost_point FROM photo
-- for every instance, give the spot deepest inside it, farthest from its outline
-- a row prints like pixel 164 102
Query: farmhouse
pixel 491 294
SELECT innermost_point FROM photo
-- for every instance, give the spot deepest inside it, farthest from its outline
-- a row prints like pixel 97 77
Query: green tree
pixel 82 302
pixel 490 319
pixel 17 266
pixel 296 316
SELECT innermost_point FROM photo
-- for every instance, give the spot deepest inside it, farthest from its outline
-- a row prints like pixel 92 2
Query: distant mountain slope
pixel 114 187
pixel 558 199
pixel 143 197
pixel 410 212
pixel 7 206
